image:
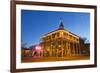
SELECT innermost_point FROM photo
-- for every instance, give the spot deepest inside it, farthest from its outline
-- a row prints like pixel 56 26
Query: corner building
pixel 61 43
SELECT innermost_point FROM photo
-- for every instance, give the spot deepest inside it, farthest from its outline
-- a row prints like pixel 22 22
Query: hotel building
pixel 61 43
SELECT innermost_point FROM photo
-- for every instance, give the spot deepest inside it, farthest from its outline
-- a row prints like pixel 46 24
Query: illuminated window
pixel 61 33
pixel 49 37
pixel 58 34
pixel 53 35
pixel 65 34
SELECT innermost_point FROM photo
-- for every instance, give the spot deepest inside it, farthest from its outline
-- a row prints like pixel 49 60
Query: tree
pixel 85 40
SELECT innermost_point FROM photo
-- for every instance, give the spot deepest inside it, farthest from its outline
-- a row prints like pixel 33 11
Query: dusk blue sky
pixel 34 24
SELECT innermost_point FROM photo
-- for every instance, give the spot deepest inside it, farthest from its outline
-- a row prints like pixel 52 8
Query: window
pixel 53 35
pixel 65 34
pixel 58 34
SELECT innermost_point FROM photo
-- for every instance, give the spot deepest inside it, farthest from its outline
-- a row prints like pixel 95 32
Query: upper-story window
pixel 45 39
pixel 53 35
pixel 65 34
pixel 70 36
pixel 49 37
pixel 58 34
pixel 61 33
